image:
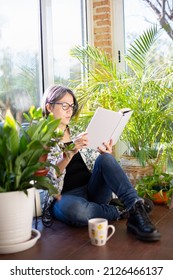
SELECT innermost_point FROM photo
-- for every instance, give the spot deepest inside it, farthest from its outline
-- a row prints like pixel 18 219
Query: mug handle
pixel 113 230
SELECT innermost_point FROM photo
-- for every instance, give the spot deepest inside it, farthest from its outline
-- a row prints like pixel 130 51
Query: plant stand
pixel 133 168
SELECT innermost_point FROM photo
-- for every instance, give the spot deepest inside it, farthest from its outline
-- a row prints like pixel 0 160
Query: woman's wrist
pixel 67 156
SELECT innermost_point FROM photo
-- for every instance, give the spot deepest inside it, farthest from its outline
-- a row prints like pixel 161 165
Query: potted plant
pixel 146 89
pixel 20 152
pixel 158 187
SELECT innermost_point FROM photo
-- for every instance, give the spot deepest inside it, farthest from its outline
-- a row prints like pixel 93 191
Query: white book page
pixel 105 125
pixel 120 126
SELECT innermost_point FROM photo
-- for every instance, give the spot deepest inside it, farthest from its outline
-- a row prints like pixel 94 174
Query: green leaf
pixel 21 148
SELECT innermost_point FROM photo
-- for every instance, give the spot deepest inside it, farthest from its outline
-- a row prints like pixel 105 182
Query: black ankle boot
pixel 148 204
pixel 140 224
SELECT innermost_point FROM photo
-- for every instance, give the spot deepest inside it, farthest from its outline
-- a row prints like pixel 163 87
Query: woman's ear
pixel 49 107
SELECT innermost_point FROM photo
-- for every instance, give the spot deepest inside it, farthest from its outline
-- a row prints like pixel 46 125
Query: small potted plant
pixel 158 187
pixel 21 148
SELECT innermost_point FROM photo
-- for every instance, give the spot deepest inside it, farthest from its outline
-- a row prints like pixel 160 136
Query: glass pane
pixel 137 19
pixel 140 18
pixel 19 56
pixel 67 32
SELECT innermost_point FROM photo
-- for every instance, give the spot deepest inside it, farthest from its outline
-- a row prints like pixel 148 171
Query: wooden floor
pixel 67 243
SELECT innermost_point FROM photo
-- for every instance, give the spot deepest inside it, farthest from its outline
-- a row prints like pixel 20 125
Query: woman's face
pixel 59 112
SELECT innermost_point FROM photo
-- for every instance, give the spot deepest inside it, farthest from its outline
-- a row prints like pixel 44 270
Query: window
pixel 19 59
pixel 68 31
pixel 35 39
pixel 129 23
pixel 139 19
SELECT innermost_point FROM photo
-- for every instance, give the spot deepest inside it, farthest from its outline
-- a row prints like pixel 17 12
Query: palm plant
pixel 146 89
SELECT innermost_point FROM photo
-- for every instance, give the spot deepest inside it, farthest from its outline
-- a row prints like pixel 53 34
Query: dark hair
pixel 55 93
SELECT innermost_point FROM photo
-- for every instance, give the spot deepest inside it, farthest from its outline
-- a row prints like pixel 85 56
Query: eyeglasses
pixel 65 105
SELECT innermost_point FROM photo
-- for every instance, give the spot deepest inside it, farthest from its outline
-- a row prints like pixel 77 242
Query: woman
pixel 87 178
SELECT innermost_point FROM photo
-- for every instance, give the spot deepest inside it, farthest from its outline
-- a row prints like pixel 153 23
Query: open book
pixel 105 125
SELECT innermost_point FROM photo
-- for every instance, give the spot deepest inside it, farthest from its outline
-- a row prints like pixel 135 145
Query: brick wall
pixel 102 24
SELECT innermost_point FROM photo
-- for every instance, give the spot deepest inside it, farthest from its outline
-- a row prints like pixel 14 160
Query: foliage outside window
pixel 22 52
pixel 19 60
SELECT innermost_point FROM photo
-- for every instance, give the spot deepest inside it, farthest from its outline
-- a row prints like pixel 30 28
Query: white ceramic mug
pixel 98 231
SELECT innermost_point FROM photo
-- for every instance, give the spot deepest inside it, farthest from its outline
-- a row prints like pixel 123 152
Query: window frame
pixel 46 38
pixel 118 33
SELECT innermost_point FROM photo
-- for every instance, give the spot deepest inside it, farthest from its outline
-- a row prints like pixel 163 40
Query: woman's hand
pixel 107 148
pixel 80 141
pixel 58 197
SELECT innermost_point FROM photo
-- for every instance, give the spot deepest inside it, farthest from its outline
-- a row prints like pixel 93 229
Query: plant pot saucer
pixel 15 248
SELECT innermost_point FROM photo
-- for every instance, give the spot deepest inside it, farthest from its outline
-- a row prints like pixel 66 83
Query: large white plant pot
pixel 16 214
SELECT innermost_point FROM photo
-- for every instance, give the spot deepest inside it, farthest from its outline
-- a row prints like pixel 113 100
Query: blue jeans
pixel 79 205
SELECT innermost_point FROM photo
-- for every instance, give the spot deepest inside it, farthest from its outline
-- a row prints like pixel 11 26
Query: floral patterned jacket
pixel 88 155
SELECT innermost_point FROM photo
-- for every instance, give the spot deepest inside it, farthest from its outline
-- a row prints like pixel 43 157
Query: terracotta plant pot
pixel 42 171
pixel 43 158
pixel 160 198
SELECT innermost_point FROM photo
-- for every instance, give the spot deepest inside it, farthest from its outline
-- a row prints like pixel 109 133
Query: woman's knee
pixel 71 211
pixel 106 160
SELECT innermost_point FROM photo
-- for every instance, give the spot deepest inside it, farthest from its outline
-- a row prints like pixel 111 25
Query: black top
pixel 77 174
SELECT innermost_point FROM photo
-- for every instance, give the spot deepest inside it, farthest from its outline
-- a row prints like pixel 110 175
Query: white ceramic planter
pixel 16 214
